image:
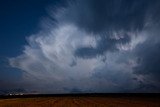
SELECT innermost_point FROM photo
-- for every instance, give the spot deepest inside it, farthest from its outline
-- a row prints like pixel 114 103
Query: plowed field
pixel 80 102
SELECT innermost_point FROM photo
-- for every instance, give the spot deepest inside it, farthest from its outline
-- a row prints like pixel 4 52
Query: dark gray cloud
pixel 148 56
pixel 107 17
pixel 95 46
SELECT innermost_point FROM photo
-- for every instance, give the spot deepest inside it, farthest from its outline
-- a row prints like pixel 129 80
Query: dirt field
pixel 80 102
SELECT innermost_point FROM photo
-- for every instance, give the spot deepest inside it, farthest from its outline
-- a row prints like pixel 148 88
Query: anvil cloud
pixel 95 46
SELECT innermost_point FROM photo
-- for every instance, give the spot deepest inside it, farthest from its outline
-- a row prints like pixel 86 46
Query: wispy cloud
pixel 91 45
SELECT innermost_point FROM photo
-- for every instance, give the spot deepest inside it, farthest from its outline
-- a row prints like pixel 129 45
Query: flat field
pixel 80 101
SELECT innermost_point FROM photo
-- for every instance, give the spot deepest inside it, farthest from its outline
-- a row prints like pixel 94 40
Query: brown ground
pixel 80 102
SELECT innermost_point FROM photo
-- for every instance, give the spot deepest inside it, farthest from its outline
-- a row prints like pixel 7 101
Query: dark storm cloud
pixel 101 15
pixel 106 17
pixel 117 31
pixel 148 56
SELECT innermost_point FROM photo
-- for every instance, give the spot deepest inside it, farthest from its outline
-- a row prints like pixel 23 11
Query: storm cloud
pixel 147 57
pixel 113 21
pixel 95 46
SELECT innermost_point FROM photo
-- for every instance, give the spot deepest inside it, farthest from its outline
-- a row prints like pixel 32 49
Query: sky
pixel 79 46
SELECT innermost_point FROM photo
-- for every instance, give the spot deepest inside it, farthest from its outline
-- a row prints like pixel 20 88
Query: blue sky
pixel 65 46
pixel 20 19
